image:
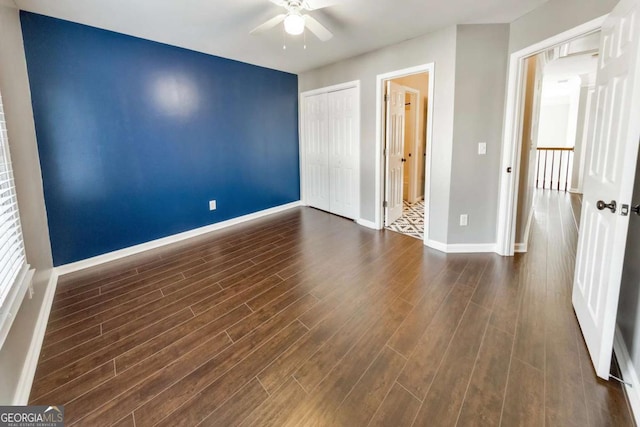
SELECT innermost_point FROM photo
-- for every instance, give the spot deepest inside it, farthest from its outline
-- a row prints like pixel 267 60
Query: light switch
pixel 212 205
pixel 482 148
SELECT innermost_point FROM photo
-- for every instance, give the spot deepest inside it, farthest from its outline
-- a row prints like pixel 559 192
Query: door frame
pixel 413 162
pixel 512 132
pixel 380 158
pixel 355 84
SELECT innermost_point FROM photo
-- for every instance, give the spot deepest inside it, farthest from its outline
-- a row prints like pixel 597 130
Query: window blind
pixel 14 277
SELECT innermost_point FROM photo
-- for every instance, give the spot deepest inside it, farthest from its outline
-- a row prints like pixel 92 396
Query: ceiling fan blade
pixel 317 28
pixel 269 24
pixel 318 4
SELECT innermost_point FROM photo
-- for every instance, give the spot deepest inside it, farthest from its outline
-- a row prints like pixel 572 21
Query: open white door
pixel 608 183
pixel 394 146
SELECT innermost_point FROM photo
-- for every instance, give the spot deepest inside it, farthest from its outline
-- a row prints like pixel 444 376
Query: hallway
pixel 548 342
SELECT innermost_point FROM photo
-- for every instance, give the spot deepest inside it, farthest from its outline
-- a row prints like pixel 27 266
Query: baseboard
pixel 629 374
pixel 122 253
pixel 368 224
pixel 21 396
pixel 471 248
pixel 461 248
pixel 524 246
pixel 438 246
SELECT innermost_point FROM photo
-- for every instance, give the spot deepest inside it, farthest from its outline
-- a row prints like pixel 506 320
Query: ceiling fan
pixel 295 21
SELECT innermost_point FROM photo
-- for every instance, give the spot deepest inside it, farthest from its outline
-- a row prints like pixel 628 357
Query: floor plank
pixel 398 409
pixel 305 318
pixel 485 394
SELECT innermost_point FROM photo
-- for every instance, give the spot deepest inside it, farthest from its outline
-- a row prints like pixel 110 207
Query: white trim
pixel 628 373
pixel 355 84
pixel 524 246
pixel 461 248
pixel 112 256
pixel 379 176
pixel 23 389
pixel 439 246
pixel 511 141
pixel 472 248
pixel 17 292
pixel 415 160
pixel 575 191
pixel 368 224
pixel 333 88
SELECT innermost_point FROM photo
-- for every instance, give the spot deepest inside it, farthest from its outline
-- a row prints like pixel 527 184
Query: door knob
pixel 636 209
pixel 602 206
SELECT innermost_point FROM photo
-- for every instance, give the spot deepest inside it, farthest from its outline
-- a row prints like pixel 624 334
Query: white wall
pixel 555 17
pixel 16 96
pixel 559 113
pixel 585 108
pixel 438 47
pixel 554 123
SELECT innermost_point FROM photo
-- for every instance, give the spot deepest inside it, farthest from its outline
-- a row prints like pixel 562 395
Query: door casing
pixel 302 147
pixel 512 133
pixel 380 161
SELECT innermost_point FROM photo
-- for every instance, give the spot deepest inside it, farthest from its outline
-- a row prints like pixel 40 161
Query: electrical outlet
pixel 482 148
pixel 464 220
pixel 212 205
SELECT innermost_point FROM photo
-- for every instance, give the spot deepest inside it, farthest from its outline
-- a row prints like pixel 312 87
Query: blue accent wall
pixel 135 137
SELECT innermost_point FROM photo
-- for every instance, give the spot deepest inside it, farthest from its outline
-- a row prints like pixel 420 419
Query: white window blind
pixel 14 275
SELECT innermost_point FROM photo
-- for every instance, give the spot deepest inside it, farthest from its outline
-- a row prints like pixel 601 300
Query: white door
pixel 609 177
pixel 343 152
pixel 394 146
pixel 316 179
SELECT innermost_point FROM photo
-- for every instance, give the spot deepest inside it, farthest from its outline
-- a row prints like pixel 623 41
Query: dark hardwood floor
pixel 304 318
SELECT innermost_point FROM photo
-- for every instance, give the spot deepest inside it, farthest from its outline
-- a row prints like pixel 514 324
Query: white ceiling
pixel 221 27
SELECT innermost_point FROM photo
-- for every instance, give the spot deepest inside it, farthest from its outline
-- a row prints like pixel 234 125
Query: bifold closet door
pixel 331 156
pixel 343 152
pixel 316 151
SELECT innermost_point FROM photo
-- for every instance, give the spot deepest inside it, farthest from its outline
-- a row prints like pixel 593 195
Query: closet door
pixel 316 151
pixel 343 152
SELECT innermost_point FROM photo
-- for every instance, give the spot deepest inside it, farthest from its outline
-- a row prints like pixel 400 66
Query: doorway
pixel 608 178
pixel 405 151
pixel 404 135
pixel 558 89
pixel 514 151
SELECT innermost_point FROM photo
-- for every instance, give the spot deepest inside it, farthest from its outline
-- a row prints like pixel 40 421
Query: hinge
pixel 386 97
pixel 625 210
pixel 385 204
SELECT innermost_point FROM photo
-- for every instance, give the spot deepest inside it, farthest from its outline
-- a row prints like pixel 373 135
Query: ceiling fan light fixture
pixel 294 24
